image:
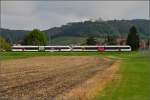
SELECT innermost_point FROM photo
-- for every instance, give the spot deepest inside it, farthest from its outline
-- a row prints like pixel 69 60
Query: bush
pixel 4 46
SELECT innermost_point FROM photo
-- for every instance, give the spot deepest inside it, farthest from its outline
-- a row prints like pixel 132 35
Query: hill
pixel 13 36
pixel 114 27
pixel 78 31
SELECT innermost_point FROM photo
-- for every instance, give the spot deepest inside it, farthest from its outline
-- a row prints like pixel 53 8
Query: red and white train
pixel 73 48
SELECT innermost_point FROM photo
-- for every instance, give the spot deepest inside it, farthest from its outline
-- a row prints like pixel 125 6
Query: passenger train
pixel 73 48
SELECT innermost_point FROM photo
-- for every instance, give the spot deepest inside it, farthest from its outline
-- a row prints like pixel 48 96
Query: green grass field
pixel 17 55
pixel 134 81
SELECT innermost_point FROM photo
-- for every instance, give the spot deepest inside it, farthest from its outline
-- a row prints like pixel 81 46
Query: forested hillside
pixel 98 29
pixel 13 36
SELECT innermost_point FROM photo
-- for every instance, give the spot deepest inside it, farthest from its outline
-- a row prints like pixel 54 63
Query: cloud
pixel 46 14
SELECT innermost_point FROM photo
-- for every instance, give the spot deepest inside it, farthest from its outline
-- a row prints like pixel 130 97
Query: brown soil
pixel 89 89
pixel 46 78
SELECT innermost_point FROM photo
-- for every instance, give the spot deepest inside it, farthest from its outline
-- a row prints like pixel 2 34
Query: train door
pixel 41 48
pixel 101 49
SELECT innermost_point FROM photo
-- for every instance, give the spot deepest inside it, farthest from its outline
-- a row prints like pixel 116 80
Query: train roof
pixel 75 46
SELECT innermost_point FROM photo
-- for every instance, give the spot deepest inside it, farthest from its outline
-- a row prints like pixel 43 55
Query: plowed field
pixel 44 78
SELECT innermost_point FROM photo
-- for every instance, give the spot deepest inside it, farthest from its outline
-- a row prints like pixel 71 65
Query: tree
pixel 91 41
pixel 111 40
pixel 148 44
pixel 35 37
pixel 133 39
pixel 4 45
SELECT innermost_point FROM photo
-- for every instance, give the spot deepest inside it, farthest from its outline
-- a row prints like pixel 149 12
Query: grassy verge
pixel 16 55
pixel 134 83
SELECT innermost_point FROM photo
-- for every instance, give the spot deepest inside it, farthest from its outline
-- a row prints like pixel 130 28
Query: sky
pixel 27 15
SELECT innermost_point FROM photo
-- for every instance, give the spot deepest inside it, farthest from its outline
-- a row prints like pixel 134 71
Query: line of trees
pixel 36 37
pixel 133 39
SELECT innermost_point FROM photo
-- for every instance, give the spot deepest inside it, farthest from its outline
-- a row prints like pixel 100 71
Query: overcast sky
pixel 46 14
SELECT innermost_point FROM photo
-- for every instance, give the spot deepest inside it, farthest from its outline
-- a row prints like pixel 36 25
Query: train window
pixel 111 48
pixel 116 48
pixel 78 48
pixel 31 48
pixel 125 47
pixel 61 47
pixel 55 48
pixel 86 48
pixel 91 48
pixel 28 48
pixel 48 47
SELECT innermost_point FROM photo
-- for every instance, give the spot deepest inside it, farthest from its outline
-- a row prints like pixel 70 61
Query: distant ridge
pixel 85 29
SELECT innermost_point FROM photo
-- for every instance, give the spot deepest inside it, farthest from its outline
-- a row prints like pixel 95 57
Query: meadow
pixel 132 82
